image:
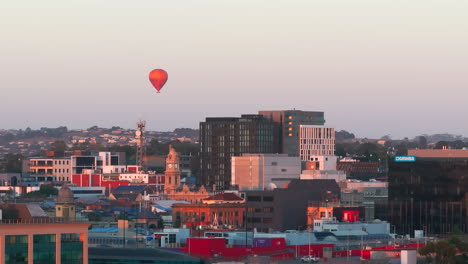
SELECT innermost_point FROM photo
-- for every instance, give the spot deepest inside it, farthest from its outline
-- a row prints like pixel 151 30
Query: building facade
pixel 264 171
pixel 215 214
pixel 429 192
pixel 287 127
pixel 62 168
pixel 223 138
pixel 172 173
pixel 285 209
pixel 316 142
pixel 48 168
pixel 28 235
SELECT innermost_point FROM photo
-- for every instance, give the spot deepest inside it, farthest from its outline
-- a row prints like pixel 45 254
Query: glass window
pixel 71 249
pixel 44 249
pixel 16 249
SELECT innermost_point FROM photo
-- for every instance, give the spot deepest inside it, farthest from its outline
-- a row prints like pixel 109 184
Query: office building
pixel 28 235
pixel 264 171
pixel 52 168
pixel 285 208
pixel 48 168
pixel 428 190
pixel 287 127
pixel 223 138
pixel 317 142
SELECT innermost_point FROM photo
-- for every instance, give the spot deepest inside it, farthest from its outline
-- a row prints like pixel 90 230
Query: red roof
pixel 224 197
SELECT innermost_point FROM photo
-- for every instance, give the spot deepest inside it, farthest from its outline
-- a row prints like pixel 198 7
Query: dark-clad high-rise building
pixel 428 190
pixel 288 122
pixel 224 137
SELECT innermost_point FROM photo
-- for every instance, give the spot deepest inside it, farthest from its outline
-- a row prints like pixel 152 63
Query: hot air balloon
pixel 158 78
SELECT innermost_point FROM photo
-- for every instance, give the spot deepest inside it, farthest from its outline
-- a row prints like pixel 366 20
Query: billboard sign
pixel 405 159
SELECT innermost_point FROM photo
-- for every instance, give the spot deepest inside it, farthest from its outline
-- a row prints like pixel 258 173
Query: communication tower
pixel 141 146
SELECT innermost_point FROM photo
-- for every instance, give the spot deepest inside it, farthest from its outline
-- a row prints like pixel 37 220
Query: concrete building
pixel 10 179
pixel 287 126
pixel 428 190
pixel 52 168
pixel 214 214
pixel 223 138
pixel 317 141
pixel 285 208
pixel 264 171
pixel 338 176
pixel 28 235
pixel 48 168
pixel 65 203
pixel 105 162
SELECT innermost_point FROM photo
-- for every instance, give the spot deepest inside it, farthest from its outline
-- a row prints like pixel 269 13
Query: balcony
pixel 44 220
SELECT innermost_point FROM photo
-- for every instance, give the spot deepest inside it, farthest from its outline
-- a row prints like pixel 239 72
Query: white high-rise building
pixel 316 141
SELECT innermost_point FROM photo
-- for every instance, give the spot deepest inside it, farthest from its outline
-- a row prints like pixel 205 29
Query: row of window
pixel 265 220
pixel 260 209
pixel 260 198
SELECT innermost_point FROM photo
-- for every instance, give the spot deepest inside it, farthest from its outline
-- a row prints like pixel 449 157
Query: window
pixel 71 248
pixel 268 198
pixel 44 249
pixel 16 249
pixel 254 199
pixel 274 163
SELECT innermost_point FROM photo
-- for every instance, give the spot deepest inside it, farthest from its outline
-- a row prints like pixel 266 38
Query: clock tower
pixel 172 174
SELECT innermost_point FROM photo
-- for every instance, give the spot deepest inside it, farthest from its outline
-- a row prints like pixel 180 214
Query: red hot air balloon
pixel 158 78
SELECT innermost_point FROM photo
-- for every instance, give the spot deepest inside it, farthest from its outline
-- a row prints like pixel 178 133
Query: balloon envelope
pixel 158 78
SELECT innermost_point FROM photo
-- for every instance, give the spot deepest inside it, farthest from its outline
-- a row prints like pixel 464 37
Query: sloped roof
pixel 22 211
pixel 129 188
pixel 126 196
pixel 224 197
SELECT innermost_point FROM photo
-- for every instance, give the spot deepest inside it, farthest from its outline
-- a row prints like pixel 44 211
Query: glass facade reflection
pixel 44 249
pixel 16 249
pixel 430 194
pixel 223 138
pixel 71 249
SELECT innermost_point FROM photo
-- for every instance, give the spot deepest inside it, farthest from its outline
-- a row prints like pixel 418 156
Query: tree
pixel 59 146
pixel 94 217
pixel 48 190
pixel 343 135
pixel 444 251
pixel 11 163
pixel 422 142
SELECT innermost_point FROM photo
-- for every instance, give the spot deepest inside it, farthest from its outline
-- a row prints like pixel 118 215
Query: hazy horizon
pixel 374 67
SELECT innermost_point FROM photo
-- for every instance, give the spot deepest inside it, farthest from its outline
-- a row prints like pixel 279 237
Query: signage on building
pixel 405 159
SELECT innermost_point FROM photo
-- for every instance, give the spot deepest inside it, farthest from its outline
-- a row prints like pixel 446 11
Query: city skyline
pixel 391 67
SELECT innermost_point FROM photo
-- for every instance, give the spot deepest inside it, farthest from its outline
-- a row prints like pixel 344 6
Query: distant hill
pixel 187 132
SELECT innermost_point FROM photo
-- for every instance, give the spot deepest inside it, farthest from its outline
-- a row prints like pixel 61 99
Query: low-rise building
pixel 264 171
pixel 28 235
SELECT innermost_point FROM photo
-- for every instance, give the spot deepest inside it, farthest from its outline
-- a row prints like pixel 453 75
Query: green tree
pixel 94 217
pixel 11 163
pixel 59 146
pixel 48 190
pixel 444 251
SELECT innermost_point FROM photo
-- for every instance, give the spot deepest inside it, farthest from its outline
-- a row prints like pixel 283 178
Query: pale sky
pixel 375 67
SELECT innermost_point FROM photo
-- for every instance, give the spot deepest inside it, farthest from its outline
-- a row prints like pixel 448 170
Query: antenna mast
pixel 141 146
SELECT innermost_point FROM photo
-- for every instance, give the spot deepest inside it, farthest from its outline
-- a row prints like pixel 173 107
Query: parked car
pixel 310 259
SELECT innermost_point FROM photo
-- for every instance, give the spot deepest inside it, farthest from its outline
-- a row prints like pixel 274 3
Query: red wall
pixel 350 215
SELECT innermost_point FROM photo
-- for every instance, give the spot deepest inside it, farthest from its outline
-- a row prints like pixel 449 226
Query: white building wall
pixel 62 169
pixel 338 176
pixel 315 141
pixel 134 177
pixel 259 171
